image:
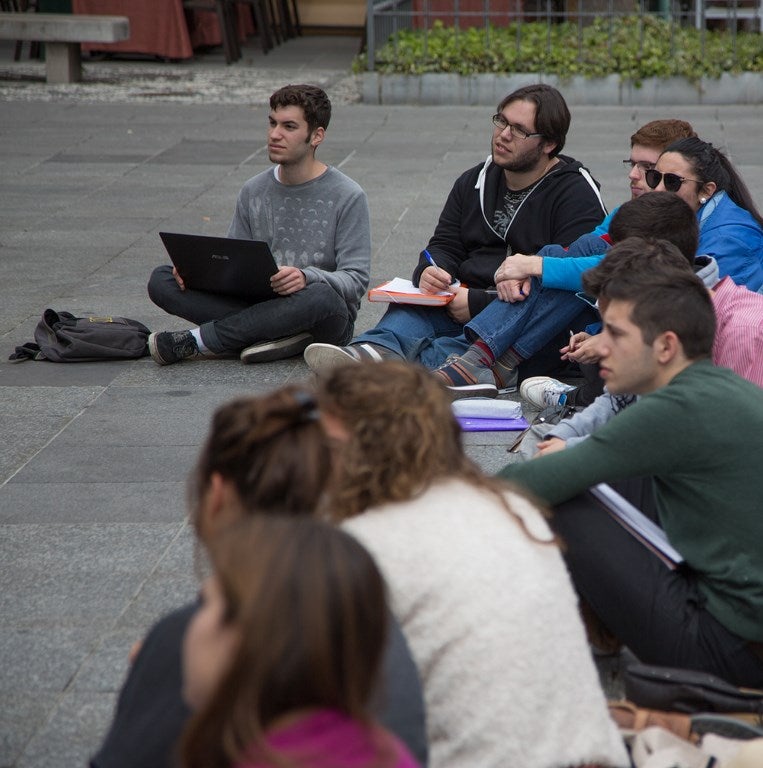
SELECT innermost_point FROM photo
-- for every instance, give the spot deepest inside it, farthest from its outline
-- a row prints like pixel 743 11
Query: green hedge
pixel 634 47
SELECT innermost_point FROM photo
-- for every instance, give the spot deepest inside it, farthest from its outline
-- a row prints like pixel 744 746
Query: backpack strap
pixel 28 351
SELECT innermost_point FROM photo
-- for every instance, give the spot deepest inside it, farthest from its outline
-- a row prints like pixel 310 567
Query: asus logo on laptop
pixel 221 256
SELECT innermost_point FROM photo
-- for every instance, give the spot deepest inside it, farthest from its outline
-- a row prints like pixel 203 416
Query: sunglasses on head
pixel 672 181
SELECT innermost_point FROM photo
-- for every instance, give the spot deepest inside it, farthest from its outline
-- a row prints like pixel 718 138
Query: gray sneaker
pixel 278 349
pixel 467 375
pixel 322 358
pixel 169 347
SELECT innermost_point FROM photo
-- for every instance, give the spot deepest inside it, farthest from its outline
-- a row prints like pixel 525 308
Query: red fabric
pixel 157 27
pixel 160 28
pixel 205 30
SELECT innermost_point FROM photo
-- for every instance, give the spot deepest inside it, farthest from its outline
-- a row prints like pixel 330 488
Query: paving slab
pixel 94 457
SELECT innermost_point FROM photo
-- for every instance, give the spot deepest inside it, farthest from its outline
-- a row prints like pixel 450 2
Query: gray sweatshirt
pixel 322 227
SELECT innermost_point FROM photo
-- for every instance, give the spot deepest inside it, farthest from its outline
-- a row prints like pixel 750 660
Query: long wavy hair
pixel 402 438
pixel 310 609
pixel 271 448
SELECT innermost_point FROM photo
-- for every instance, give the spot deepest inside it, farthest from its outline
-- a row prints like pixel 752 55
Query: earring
pixel 702 200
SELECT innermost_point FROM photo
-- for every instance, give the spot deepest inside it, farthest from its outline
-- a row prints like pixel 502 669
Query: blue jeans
pixel 417 333
pixel 527 325
pixel 229 324
pixel 428 335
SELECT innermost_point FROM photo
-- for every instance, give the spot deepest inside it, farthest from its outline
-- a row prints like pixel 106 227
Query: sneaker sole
pixel 725 726
pixel 473 390
pixel 278 349
pixel 322 358
pixel 154 352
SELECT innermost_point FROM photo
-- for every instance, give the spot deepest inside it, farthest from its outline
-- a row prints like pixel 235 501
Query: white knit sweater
pixel 492 621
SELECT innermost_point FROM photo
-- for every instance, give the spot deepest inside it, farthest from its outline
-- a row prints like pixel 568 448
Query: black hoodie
pixel 561 206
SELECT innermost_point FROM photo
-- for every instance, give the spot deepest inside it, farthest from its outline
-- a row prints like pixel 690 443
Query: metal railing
pixel 385 19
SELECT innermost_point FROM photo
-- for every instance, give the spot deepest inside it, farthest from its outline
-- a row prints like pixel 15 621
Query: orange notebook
pixel 400 291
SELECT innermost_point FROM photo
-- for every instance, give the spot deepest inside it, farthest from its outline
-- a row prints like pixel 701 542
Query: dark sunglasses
pixel 672 181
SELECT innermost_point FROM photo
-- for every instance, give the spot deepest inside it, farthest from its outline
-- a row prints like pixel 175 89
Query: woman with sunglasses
pixel 730 226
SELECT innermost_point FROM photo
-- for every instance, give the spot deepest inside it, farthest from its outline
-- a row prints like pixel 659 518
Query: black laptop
pixel 240 268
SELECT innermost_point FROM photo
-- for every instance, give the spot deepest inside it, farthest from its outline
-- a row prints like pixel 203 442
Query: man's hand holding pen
pixel 433 279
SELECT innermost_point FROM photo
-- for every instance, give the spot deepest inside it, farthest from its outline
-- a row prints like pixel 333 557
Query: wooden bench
pixel 62 34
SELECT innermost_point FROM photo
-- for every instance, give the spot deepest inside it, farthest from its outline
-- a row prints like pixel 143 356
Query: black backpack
pixel 63 338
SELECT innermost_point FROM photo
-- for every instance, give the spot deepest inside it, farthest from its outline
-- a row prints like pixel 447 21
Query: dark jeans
pixel 590 389
pixel 657 612
pixel 228 324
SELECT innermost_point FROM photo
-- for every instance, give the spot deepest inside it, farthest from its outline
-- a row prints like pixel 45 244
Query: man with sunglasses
pixel 526 194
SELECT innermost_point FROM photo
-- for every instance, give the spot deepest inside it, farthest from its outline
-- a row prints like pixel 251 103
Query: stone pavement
pixel 94 545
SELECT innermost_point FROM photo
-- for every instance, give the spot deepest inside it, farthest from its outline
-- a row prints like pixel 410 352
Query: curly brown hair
pixel 402 437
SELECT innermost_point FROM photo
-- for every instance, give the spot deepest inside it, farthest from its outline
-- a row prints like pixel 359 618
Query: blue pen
pixel 428 257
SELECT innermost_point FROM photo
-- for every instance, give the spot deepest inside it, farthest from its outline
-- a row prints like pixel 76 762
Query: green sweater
pixel 701 438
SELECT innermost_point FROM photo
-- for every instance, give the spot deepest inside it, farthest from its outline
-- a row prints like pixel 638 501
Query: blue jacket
pixel 732 236
pixel 727 232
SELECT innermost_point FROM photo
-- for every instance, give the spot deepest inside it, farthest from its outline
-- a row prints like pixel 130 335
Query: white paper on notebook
pixel 400 290
pixel 636 521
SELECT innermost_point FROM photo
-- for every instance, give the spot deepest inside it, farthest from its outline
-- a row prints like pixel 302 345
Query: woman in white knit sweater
pixel 475 576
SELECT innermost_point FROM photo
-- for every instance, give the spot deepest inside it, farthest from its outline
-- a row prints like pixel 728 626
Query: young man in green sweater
pixel 697 431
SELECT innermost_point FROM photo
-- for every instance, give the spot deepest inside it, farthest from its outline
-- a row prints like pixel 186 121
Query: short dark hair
pixel 552 117
pixel 665 293
pixel 658 216
pixel 657 134
pixel 315 104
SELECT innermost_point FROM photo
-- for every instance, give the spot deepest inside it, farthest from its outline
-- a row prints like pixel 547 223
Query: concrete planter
pixel 489 89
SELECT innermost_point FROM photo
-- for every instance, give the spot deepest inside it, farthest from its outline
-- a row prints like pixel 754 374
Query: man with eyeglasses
pixel 520 335
pixel 526 194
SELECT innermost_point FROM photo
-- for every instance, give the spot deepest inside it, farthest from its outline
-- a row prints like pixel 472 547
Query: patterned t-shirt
pixel 503 216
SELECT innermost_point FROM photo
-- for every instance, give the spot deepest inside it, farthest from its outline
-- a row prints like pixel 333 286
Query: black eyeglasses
pixel 642 165
pixel 499 121
pixel 672 181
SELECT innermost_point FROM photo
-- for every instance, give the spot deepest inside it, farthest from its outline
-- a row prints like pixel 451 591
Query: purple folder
pixel 492 425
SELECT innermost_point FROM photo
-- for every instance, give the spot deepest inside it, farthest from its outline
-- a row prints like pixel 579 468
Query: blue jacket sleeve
pixel 562 268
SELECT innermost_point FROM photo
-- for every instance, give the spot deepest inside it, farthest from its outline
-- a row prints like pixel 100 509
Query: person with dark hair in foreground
pixel 697 432
pixel 263 456
pixel 282 658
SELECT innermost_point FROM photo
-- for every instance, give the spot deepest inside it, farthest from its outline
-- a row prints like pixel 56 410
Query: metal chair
pixel 22 6
pixel 263 21
pixel 224 10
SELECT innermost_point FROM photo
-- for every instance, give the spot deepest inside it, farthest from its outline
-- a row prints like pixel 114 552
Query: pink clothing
pixel 739 334
pixel 331 739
